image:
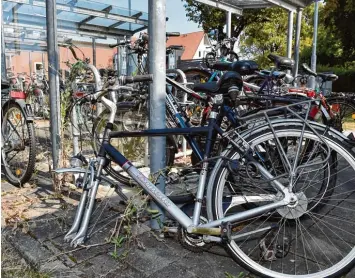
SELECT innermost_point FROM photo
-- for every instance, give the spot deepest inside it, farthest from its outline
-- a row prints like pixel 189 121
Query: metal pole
pixel 43 67
pixel 94 51
pixel 229 24
pixel 312 80
pixel 157 66
pixel 30 61
pixel 289 34
pixel 130 13
pixel 297 40
pixel 118 59
pixel 3 58
pixel 53 66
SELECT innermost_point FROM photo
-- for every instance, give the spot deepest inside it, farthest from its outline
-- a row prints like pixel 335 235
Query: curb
pixel 39 257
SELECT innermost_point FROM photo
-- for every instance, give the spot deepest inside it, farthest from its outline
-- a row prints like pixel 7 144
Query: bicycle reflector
pixel 17 95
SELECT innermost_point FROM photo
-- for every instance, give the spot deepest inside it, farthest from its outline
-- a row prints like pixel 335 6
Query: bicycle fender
pixel 25 107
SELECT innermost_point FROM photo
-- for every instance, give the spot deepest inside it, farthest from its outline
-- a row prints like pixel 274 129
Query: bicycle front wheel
pixel 18 149
pixel 314 237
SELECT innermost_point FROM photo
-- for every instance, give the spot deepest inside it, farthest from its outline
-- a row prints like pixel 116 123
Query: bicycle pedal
pixel 226 231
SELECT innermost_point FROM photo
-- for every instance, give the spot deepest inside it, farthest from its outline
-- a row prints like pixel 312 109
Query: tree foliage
pixel 263 31
pixel 212 18
pixel 339 21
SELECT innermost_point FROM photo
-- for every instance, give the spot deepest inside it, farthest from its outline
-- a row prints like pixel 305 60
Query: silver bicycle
pixel 279 198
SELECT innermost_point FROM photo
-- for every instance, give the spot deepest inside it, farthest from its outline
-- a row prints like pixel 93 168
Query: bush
pixel 346 74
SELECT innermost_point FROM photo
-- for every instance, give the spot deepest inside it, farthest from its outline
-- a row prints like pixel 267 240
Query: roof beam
pixel 16 7
pixel 91 17
pixel 33 47
pixel 72 32
pixel 223 6
pixel 283 4
pixel 62 7
pixel 137 15
pixel 255 6
pixel 40 20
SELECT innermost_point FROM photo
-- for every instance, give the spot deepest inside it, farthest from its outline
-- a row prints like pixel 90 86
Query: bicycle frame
pixel 192 225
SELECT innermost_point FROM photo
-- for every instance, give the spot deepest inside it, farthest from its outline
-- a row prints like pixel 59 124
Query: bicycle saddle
pixel 227 80
pixel 328 76
pixel 245 67
pixel 282 63
pixel 325 76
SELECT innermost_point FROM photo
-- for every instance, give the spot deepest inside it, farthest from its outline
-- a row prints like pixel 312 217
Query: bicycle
pixel 18 142
pixel 260 222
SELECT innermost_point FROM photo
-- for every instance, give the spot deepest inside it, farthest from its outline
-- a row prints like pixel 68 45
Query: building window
pixel 199 54
pixel 39 69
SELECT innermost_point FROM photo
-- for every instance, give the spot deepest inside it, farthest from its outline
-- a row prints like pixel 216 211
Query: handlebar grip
pixel 172 34
pixel 137 78
pixel 176 47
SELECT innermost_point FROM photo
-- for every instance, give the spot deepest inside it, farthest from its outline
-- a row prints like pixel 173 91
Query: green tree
pixel 212 18
pixel 263 31
pixel 259 40
pixel 339 21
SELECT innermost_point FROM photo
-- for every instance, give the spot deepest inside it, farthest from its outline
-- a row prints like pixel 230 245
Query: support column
pixel 229 24
pixel 94 51
pixel 157 67
pixel 297 40
pixel 289 34
pixel 3 57
pixel 53 75
pixel 312 80
pixel 30 61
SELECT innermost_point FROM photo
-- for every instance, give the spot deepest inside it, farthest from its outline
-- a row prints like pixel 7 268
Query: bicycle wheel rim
pixel 18 164
pixel 238 253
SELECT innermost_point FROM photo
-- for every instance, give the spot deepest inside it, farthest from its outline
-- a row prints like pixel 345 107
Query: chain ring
pixel 193 243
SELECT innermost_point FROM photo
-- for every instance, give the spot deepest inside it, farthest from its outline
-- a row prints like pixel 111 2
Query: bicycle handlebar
pixel 172 34
pixel 122 42
pixel 175 47
pixel 145 37
pixel 133 79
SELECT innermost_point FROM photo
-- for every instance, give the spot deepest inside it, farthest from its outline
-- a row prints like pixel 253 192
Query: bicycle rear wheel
pixel 344 111
pixel 312 238
pixel 18 149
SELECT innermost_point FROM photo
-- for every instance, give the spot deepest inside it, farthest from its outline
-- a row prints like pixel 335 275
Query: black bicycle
pixel 18 141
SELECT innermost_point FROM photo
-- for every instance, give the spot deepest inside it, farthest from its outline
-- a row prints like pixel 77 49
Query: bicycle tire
pixel 12 178
pixel 336 104
pixel 253 262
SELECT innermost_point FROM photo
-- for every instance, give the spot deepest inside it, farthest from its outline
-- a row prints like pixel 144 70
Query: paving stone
pixel 39 257
pixel 174 270
pixel 210 265
pixel 100 265
pixel 55 250
pixel 151 260
pixel 32 251
pixel 48 226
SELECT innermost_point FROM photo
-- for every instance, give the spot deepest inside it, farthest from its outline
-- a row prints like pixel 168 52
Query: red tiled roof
pixel 190 41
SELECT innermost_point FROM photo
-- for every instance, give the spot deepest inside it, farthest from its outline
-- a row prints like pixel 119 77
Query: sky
pixel 175 11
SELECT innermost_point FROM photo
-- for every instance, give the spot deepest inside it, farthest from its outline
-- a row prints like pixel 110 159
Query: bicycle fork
pixel 78 231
